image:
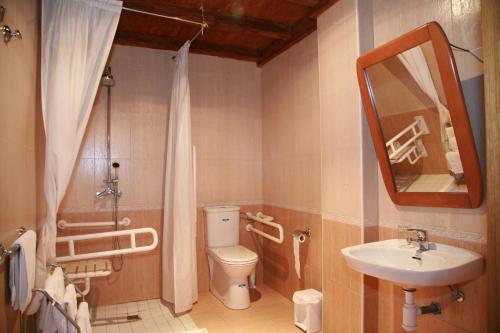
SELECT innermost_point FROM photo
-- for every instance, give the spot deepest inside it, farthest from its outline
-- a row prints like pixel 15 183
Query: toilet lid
pixel 234 254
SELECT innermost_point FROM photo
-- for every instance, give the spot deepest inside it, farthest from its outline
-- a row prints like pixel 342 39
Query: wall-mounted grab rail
pixel 399 152
pixel 266 221
pixel 63 224
pixel 70 240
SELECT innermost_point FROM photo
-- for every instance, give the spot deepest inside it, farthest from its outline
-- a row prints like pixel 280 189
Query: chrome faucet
pixel 107 191
pixel 110 189
pixel 420 240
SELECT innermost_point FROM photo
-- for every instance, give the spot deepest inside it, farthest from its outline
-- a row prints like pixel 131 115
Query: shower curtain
pixel 179 282
pixel 414 61
pixel 76 40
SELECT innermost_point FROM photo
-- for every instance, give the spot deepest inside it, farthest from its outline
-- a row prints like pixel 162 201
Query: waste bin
pixel 307 305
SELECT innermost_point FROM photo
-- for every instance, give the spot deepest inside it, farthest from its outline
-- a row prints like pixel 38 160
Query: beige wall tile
pixel 278 259
pixel 291 127
pixel 226 126
pixel 461 22
pixel 19 106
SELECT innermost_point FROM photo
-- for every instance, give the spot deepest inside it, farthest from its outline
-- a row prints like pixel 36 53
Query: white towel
pixel 54 285
pixel 454 163
pixel 70 304
pixel 22 271
pixel 450 132
pixel 83 318
pixel 452 144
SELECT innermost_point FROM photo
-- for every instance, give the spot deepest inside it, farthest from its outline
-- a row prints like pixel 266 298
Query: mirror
pixel 419 123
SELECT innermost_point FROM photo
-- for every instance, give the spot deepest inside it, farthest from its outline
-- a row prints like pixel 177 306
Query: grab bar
pixel 399 152
pixel 58 307
pixel 278 226
pixel 132 249
pixel 63 224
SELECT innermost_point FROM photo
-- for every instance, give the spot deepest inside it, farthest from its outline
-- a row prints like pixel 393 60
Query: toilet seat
pixel 233 255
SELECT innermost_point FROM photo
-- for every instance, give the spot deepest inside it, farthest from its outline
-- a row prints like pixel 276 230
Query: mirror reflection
pixel 408 96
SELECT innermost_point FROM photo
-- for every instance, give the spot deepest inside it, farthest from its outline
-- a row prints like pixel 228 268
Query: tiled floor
pixel 269 313
pixel 154 318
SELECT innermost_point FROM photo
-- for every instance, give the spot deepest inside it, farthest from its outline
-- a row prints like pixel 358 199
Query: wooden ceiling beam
pixel 215 21
pixel 321 7
pixel 300 30
pixel 170 43
pixel 305 3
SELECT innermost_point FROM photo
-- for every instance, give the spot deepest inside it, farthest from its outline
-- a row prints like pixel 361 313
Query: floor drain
pixel 133 317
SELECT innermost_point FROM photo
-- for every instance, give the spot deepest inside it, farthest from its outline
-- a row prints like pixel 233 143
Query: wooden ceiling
pixel 253 30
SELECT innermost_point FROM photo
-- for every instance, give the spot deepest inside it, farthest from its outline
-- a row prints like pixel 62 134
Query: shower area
pixel 119 181
pixel 117 185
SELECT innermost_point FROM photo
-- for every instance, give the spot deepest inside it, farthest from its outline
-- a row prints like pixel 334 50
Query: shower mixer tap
pixel 110 189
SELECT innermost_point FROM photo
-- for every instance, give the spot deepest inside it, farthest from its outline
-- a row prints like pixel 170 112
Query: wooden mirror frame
pixel 458 112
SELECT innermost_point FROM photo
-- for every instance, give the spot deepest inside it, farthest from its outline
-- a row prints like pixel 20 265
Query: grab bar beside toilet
pixel 267 220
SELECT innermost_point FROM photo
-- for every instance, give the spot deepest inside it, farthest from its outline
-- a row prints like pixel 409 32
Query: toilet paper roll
pixel 298 237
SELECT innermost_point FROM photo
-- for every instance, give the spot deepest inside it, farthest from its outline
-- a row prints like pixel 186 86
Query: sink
pixel 392 260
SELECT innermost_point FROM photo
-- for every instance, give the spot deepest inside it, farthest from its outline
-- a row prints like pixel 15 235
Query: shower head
pixel 107 78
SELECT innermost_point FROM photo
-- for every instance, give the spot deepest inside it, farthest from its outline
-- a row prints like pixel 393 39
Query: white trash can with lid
pixel 308 309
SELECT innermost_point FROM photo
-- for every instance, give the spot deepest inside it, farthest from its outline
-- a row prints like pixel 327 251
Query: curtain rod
pixel 202 24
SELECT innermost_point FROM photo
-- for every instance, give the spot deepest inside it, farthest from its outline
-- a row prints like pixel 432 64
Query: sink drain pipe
pixel 411 310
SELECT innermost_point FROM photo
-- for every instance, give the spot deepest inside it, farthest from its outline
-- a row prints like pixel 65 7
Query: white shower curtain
pixel 76 40
pixel 179 282
pixel 414 61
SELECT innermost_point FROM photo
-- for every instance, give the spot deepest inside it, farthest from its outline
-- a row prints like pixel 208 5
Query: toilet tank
pixel 223 226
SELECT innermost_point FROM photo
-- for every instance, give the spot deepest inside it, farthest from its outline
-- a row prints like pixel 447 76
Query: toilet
pixel 230 264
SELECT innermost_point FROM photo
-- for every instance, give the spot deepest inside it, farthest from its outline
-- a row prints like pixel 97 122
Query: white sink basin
pixel 392 260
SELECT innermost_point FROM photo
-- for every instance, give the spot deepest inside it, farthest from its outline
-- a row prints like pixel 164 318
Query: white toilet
pixel 230 263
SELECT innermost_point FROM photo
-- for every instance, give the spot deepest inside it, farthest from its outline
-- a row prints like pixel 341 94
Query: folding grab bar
pixel 265 221
pixel 63 224
pixel 399 152
pixel 70 240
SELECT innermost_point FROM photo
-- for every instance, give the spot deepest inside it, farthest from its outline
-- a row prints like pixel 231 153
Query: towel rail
pixel 58 307
pixel 11 250
pixel 70 240
pixel 266 221
pixel 68 279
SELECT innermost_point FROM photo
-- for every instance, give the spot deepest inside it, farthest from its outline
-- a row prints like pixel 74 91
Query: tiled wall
pixel 384 314
pixel 304 151
pixel 291 128
pixel 278 259
pixel 460 20
pixel 460 227
pixel 350 194
pixel 344 186
pixel 291 165
pixel 140 275
pixel 226 127
pixel 18 109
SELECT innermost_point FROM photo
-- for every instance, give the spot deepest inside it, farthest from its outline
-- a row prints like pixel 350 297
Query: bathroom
pixel 282 133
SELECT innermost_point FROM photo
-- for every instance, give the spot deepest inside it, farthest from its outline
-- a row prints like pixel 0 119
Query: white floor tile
pixel 155 317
